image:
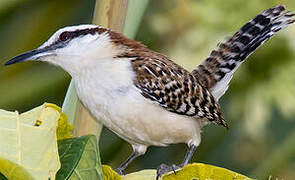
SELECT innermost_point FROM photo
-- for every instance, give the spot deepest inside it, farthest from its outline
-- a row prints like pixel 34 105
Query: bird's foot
pixel 163 169
pixel 120 171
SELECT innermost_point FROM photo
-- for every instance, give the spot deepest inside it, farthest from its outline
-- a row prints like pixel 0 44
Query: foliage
pixel 29 147
pixel 192 171
pixel 79 159
pixel 64 129
pixel 109 173
pixel 20 147
pixel 203 172
pixel 13 171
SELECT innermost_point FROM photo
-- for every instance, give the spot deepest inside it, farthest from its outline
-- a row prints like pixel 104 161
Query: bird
pixel 143 96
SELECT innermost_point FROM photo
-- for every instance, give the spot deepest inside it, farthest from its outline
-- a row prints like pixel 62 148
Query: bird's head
pixel 75 48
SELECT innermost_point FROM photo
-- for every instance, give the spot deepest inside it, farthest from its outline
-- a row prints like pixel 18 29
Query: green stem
pixel 135 12
pixel 70 103
pixel 134 15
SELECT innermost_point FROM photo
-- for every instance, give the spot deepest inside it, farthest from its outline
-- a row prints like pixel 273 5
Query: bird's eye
pixel 64 36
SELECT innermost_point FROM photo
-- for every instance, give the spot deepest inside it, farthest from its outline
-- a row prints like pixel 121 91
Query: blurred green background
pixel 259 105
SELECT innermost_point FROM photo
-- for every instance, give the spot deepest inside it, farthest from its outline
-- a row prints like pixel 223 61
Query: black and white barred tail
pixel 217 70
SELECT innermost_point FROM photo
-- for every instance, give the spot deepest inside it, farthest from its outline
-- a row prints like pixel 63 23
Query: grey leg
pixel 124 165
pixel 162 169
pixel 189 155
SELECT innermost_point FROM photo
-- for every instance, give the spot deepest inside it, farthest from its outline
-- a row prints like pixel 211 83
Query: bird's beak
pixel 31 55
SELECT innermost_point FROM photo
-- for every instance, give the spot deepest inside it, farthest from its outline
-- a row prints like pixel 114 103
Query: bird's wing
pixel 172 87
pixel 217 70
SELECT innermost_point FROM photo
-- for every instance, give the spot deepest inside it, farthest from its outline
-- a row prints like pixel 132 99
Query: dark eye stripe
pixel 66 36
pixel 91 31
pixel 72 34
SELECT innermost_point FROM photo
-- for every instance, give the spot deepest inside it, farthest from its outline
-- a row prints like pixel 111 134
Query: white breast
pixel 107 90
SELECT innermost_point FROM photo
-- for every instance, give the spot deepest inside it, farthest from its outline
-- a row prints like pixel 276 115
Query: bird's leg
pixel 123 166
pixel 163 168
pixel 189 155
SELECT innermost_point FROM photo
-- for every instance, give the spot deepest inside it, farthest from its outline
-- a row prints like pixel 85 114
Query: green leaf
pixel 13 171
pixel 204 171
pixel 192 171
pixel 79 159
pixel 2 177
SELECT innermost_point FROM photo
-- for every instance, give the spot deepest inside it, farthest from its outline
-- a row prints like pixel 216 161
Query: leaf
pixel 149 174
pixel 13 171
pixel 64 128
pixel 2 177
pixel 79 159
pixel 109 173
pixel 204 171
pixel 192 171
pixel 29 140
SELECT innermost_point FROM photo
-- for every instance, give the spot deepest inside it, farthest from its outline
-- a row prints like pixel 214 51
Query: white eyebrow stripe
pixel 56 35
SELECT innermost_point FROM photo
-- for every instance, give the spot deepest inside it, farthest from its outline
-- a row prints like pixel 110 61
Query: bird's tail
pixel 217 70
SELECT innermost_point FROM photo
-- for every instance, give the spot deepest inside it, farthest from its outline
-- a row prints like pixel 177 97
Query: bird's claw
pixel 163 169
pixel 120 171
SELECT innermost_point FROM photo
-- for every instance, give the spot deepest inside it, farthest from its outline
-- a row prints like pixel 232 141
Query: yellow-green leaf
pixel 64 129
pixel 29 140
pixel 202 171
pixel 149 174
pixel 195 171
pixel 13 171
pixel 109 173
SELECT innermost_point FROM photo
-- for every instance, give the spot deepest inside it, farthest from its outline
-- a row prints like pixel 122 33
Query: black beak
pixel 31 55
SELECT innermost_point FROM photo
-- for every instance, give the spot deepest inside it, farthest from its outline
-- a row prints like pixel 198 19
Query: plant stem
pixel 111 14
